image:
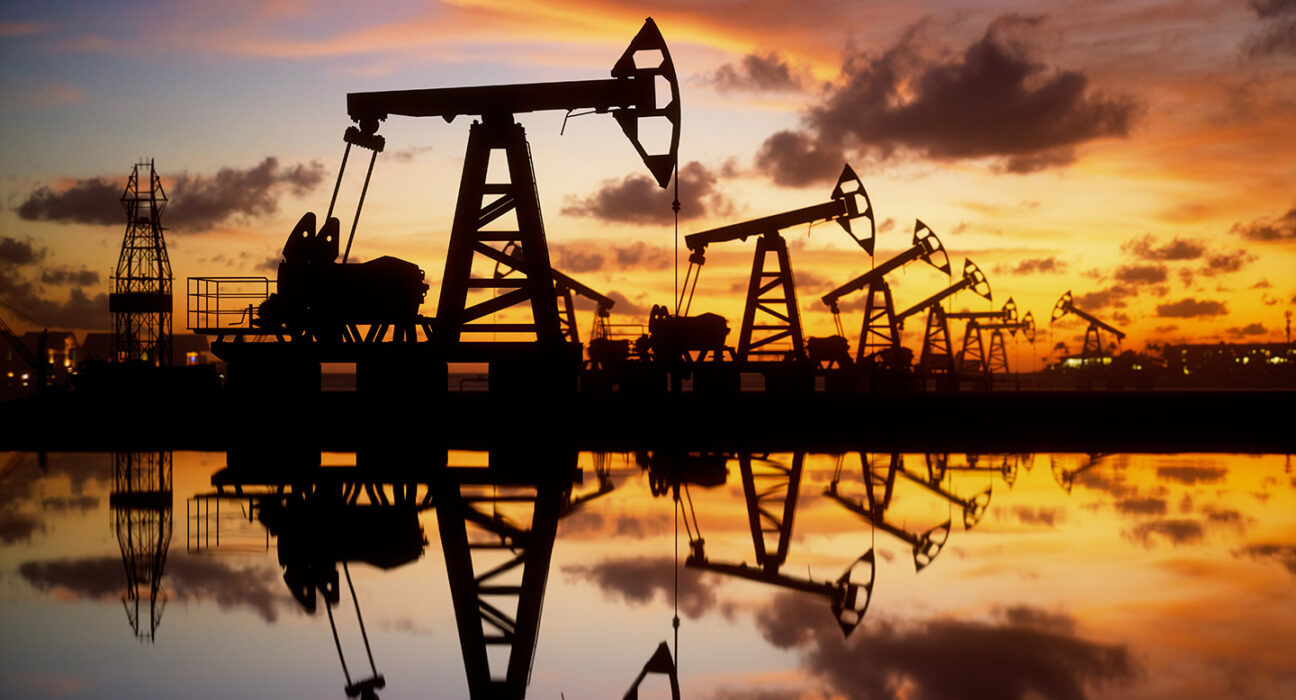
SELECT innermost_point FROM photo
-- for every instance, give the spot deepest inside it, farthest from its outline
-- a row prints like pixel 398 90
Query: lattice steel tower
pixel 141 506
pixel 141 297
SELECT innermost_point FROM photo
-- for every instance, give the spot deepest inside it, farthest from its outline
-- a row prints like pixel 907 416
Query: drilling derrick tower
pixel 141 298
pixel 141 505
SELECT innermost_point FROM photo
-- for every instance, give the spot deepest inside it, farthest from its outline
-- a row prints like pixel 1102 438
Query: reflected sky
pixel 1147 576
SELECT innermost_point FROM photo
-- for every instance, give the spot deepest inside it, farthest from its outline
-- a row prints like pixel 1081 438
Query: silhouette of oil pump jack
pixel 765 490
pixel 879 342
pixel 937 355
pixel 925 545
pixel 972 357
pixel 772 292
pixel 629 96
pixel 1093 347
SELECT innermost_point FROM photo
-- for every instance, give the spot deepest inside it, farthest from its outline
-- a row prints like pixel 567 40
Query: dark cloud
pixel 185 578
pixel 575 260
pixel 1147 248
pixel 1249 329
pixel 78 310
pixel 195 202
pixel 15 252
pixel 887 224
pixel 768 72
pixel 623 306
pixel 639 581
pixel 643 255
pixel 997 99
pixel 794 159
pixel 1176 531
pixel 1142 506
pixel 1111 297
pixel 1284 554
pixel 1032 265
pixel 18 527
pixel 1186 276
pixel 1021 653
pixel 1281 228
pixel 1038 516
pixel 1278 36
pixel 69 503
pixel 1167 328
pixel 636 199
pixel 1141 274
pixel 65 275
pixel 1262 284
pixel 406 155
pixel 1224 263
pixel 1191 474
pixel 1191 308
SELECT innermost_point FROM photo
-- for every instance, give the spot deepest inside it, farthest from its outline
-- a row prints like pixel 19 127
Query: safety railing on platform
pixel 232 529
pixel 224 305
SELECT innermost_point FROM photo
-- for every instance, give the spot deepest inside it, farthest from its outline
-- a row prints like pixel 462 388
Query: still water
pixel 792 575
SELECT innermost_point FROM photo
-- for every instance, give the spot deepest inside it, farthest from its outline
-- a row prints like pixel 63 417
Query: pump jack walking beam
pixel 629 96
pixel 937 350
pixel 773 292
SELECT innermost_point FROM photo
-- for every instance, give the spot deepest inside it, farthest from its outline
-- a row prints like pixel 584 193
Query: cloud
pixel 1113 297
pixel 1278 37
pixel 1176 531
pixel 639 581
pixel 1033 265
pixel 185 578
pixel 1141 274
pixel 767 72
pixel 1170 328
pixel 1146 248
pixel 1191 308
pixel 65 275
pixel 1280 228
pixel 1284 554
pixel 1190 474
pixel 1142 506
pixel 576 258
pixel 624 307
pixel 636 199
pixel 195 202
pixel 1224 263
pixel 18 527
pixel 16 253
pixel 997 99
pixel 794 159
pixel 1022 652
pixel 1039 516
pixel 1249 329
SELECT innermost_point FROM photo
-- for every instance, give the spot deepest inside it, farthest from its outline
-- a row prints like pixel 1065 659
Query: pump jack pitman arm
pixel 629 96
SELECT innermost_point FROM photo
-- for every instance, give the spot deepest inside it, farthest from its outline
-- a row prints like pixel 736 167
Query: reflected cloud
pixel 1284 554
pixel 186 579
pixel 1142 506
pixel 1022 652
pixel 639 581
pixel 1177 531
pixel 1191 474
pixel 1047 517
pixel 18 527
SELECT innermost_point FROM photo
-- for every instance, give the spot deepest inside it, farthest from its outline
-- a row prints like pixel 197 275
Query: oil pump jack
pixel 997 360
pixel 565 290
pixel 1093 347
pixel 925 545
pixel 879 342
pixel 972 358
pixel 629 96
pixel 771 492
pixel 937 356
pixel 770 314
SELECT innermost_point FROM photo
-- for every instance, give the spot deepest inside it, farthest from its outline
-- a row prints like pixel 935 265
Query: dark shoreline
pixel 1240 421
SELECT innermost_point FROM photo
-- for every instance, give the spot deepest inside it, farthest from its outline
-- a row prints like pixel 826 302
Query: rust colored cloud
pixel 636 199
pixel 759 72
pixel 1147 248
pixel 1191 308
pixel 995 100
pixel 1279 228
pixel 1277 36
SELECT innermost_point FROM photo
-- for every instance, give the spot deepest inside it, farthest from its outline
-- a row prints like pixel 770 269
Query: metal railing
pixel 224 305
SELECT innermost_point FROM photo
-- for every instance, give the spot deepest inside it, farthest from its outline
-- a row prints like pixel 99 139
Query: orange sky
pixel 1139 154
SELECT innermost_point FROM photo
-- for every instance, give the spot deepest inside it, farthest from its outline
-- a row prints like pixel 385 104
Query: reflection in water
pixel 1131 575
pixel 141 507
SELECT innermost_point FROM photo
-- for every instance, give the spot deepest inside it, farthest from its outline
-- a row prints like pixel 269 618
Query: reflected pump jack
pixel 926 545
pixel 879 342
pixel 778 486
pixel 772 292
pixel 630 96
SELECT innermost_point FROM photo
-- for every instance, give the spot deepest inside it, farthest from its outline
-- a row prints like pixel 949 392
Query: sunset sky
pixel 1141 154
